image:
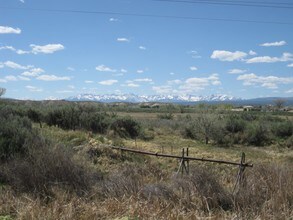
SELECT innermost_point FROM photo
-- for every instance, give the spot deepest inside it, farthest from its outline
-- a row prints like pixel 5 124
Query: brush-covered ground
pixel 75 174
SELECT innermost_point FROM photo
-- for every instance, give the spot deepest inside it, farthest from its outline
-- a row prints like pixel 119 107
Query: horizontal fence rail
pixel 187 158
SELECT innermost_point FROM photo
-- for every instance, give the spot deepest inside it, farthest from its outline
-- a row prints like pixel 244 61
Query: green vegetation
pixel 57 163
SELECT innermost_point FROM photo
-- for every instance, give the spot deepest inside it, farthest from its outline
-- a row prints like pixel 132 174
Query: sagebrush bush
pixel 257 134
pixel 43 167
pixel 15 131
pixel 283 129
pixel 126 127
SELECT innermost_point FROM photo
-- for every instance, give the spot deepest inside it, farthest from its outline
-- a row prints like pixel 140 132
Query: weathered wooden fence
pixel 185 158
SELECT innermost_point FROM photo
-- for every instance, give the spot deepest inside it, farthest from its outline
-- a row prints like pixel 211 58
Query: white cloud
pixel 108 82
pixel 7 48
pixel 163 89
pixel 22 1
pixel 14 65
pixel 172 73
pixel 103 68
pixel 9 30
pixel 224 55
pixel 89 81
pixel 189 86
pixel 290 65
pixel 289 91
pixel 64 91
pixel 274 44
pixel 20 52
pixel 196 84
pixel 193 68
pixel 52 78
pixel 194 54
pixel 3 80
pixel 24 78
pixel 113 19
pixel 132 85
pixel 174 82
pixel 10 78
pixel 71 86
pixel 142 47
pixel 33 72
pixel 123 70
pixel 143 80
pixel 270 82
pixel 47 49
pixel 236 71
pixel 267 59
pixel 252 53
pixel 70 68
pixel 139 71
pixel 123 39
pixel 34 89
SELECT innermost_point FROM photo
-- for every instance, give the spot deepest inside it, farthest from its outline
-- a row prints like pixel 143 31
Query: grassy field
pixel 64 173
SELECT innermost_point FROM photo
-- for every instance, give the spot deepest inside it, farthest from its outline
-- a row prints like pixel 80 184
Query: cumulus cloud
pixel 123 70
pixel 9 30
pixel 139 71
pixel 89 81
pixel 290 65
pixel 103 68
pixel 274 44
pixel 7 48
pixel 163 89
pixel 108 82
pixel 34 89
pixel 196 84
pixel 64 91
pixel 193 68
pixel 33 72
pixel 270 82
pixel 10 78
pixel 267 59
pixel 123 39
pixel 142 47
pixel 289 91
pixel 236 71
pixel 52 78
pixel 224 55
pixel 14 65
pixel 113 19
pixel 132 85
pixel 23 78
pixel 174 82
pixel 189 86
pixel 252 53
pixel 47 49
pixel 143 80
pixel 70 68
pixel 194 54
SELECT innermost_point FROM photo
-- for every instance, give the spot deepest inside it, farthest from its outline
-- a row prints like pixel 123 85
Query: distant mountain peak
pixel 152 98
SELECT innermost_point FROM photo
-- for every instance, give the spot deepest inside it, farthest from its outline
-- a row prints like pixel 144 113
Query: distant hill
pixel 179 99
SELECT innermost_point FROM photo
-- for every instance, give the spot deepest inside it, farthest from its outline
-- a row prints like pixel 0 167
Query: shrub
pixel 126 127
pixel 15 131
pixel 234 124
pixel 257 134
pixel 44 167
pixel 168 116
pixel 283 129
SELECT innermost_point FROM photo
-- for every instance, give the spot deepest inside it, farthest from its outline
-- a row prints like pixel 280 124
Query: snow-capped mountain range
pixel 151 98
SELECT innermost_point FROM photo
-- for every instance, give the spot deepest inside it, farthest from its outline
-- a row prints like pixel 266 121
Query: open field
pixel 57 163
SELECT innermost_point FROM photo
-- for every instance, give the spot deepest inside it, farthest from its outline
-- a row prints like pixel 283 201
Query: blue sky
pixel 126 47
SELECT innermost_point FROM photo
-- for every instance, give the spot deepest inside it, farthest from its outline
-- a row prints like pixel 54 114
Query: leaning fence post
pixel 240 176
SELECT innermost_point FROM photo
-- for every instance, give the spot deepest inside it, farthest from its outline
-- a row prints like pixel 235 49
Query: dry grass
pixel 140 193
